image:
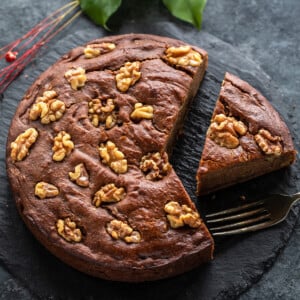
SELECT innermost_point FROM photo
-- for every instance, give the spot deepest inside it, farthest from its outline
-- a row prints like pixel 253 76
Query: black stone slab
pixel 239 261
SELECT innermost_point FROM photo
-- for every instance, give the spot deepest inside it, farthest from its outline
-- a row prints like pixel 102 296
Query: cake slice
pixel 98 126
pixel 246 138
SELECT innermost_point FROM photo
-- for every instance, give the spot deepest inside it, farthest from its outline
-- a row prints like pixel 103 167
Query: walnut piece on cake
pixel 142 111
pixel 20 147
pixel 225 131
pixel 102 112
pixel 45 190
pixel 180 215
pixel 90 52
pixel 269 144
pixel 63 146
pixel 67 229
pixel 109 193
pixel 155 165
pixel 94 50
pixel 183 56
pixel 47 107
pixel 113 157
pixel 120 230
pixel 76 78
pixel 80 175
pixel 128 75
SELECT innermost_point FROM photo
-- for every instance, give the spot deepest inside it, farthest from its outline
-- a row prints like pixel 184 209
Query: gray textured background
pixel 266 32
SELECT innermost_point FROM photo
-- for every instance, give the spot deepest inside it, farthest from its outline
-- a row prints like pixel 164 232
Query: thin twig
pixel 29 44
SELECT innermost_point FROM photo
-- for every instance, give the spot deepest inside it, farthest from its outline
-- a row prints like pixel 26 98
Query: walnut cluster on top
pixel 226 131
pixel 49 108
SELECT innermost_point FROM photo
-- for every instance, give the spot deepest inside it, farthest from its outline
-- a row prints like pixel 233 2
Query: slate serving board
pixel 239 261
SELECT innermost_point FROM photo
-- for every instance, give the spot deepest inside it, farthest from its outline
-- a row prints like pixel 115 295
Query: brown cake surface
pixel 88 165
pixel 246 138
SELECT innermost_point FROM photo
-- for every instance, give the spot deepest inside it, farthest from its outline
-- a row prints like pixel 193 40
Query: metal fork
pixel 252 216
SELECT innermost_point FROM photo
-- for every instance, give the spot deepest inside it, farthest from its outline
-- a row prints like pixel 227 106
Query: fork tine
pixel 237 216
pixel 245 229
pixel 242 223
pixel 235 209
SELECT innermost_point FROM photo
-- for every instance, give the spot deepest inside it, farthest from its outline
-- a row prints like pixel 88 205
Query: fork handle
pixel 295 198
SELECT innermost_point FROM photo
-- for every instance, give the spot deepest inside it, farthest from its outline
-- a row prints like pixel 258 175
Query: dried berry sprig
pixel 22 51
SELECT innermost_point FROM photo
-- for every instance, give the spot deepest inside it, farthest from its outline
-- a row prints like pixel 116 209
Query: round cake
pixel 87 158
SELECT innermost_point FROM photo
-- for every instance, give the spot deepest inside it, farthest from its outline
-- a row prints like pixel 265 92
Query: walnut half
pixel 180 215
pixel 80 175
pixel 20 147
pixel 102 112
pixel 94 50
pixel 45 190
pixel 155 166
pixel 76 77
pixel 268 143
pixel 142 111
pixel 47 107
pixel 225 131
pixel 128 75
pixel 120 230
pixel 90 52
pixel 63 146
pixel 183 56
pixel 109 193
pixel 68 230
pixel 113 157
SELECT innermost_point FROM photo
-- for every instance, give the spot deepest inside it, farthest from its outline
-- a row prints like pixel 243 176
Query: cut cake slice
pixel 246 138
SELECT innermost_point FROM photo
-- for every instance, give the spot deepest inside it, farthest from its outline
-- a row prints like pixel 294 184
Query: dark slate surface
pixel 264 41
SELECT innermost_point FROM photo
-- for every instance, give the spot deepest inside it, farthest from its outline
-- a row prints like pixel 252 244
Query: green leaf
pixel 187 10
pixel 99 10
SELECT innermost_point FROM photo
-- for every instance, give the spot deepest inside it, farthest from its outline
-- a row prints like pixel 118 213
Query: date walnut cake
pixel 87 158
pixel 246 138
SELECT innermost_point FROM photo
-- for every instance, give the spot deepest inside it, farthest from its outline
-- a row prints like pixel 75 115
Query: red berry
pixel 10 56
